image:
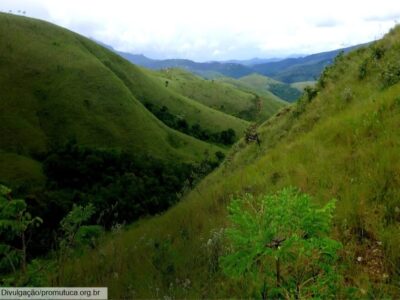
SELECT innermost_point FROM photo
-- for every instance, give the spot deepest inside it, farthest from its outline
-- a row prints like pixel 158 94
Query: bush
pixel 281 242
pixel 362 71
pixel 310 92
pixel 378 52
pixel 226 137
pixel 391 74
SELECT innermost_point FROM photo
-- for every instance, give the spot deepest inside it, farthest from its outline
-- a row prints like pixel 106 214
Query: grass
pixel 58 85
pixel 265 84
pixel 217 95
pixel 338 145
pixel 270 103
pixel 302 84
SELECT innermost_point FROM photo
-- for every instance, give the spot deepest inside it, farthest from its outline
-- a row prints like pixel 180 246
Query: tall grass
pixel 346 148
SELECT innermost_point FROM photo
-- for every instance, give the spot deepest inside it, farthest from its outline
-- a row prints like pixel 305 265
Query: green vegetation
pixel 340 141
pixel 280 246
pixel 264 84
pixel 74 132
pixel 330 145
pixel 62 86
pixel 225 137
pixel 303 84
pixel 237 101
pixel 15 222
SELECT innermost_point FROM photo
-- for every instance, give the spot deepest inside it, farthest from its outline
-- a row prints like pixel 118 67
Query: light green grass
pixel 270 102
pixel 266 84
pixel 214 94
pixel 301 85
pixel 336 146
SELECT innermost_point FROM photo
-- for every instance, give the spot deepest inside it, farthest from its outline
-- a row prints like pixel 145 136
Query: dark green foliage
pixel 88 235
pixel 310 92
pixel 15 222
pixel 362 71
pixel 228 136
pixel 285 91
pixel 225 137
pixel 121 186
pixel 391 74
pixel 280 243
pixel 378 52
pixel 98 187
pixel 219 155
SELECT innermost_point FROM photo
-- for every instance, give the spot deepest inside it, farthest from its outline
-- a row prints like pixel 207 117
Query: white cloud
pixel 209 29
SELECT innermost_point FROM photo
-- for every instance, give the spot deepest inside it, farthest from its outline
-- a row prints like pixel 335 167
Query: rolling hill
pixel 59 86
pixel 80 125
pixel 221 96
pixel 341 140
pixel 279 89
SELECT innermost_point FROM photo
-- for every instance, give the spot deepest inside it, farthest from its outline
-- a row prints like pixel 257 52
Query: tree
pixel 228 136
pixel 282 240
pixel 73 231
pixel 15 222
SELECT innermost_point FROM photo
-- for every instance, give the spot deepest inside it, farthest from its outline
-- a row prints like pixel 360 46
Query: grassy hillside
pixel 218 95
pixel 302 84
pixel 57 86
pixel 270 103
pixel 279 89
pixel 340 141
pixel 151 90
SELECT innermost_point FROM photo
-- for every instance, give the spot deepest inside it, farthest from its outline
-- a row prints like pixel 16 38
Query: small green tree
pixel 75 232
pixel 282 240
pixel 15 222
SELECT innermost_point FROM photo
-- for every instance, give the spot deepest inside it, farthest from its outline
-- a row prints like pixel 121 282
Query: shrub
pixel 310 92
pixel 362 71
pixel 378 52
pixel 391 74
pixel 281 241
pixel 15 222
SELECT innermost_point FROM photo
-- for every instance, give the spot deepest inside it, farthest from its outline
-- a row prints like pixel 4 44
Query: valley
pixel 271 179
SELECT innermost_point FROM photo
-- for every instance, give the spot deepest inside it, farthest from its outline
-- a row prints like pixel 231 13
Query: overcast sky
pixel 219 29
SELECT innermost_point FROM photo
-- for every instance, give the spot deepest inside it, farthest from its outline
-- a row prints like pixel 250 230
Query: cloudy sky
pixel 219 29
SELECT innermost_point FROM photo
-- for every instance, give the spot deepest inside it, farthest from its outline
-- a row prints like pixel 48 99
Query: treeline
pixel 285 91
pixel 121 187
pixel 225 137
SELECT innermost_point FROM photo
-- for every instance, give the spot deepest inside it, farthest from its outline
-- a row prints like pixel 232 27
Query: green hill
pixel 302 84
pixel 340 141
pixel 58 86
pixel 219 95
pixel 279 89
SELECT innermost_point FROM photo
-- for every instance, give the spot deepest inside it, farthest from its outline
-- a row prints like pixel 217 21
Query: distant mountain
pixel 305 68
pixel 227 69
pixel 253 61
pixel 288 70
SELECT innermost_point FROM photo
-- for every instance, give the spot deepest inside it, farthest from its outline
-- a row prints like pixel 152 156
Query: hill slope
pixel 341 141
pixel 57 86
pixel 220 96
pixel 279 89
